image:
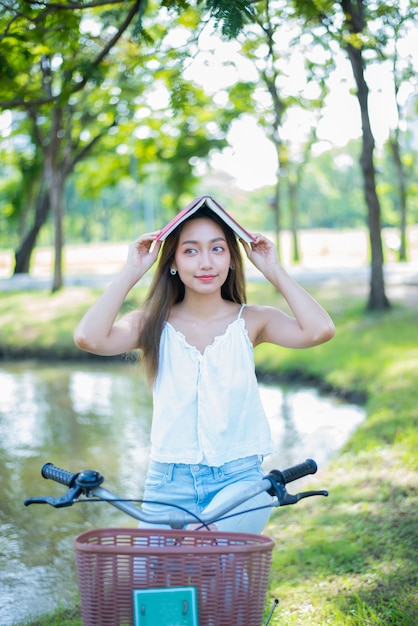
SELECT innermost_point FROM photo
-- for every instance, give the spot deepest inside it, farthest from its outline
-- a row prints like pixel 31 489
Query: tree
pixel 274 42
pixel 293 169
pixel 160 147
pixel 54 58
pixel 396 22
pixel 350 28
pixel 45 69
pixel 355 25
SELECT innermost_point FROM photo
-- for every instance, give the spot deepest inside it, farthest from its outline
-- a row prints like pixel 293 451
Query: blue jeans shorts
pixel 201 488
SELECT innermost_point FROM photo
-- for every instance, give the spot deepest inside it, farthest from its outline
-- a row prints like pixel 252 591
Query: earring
pixel 232 267
pixel 173 271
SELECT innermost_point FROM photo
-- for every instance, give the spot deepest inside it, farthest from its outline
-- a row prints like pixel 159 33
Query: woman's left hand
pixel 262 253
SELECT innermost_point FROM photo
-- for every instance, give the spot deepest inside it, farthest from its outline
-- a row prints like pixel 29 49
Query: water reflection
pixel 99 417
pixel 304 423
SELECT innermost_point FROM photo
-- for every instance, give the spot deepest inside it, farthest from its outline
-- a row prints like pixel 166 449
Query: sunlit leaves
pixel 232 15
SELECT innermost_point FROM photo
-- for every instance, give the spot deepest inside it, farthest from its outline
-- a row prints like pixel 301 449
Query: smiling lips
pixel 206 278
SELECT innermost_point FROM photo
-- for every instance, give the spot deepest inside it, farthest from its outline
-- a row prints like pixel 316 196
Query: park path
pixel 401 280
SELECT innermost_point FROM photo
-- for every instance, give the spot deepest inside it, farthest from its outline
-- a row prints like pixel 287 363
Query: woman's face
pixel 202 257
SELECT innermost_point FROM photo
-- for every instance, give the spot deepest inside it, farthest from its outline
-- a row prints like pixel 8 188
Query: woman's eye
pixel 190 251
pixel 218 249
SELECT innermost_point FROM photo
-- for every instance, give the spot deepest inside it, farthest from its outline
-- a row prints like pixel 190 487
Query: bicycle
pixel 175 577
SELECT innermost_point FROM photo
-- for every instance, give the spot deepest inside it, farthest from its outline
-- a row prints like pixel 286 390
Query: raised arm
pixel 310 325
pixel 99 331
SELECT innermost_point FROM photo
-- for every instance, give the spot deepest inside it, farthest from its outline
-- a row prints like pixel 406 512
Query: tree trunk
pixel 394 144
pixel 57 196
pixel 23 254
pixel 55 177
pixel 275 205
pixel 293 207
pixel 377 298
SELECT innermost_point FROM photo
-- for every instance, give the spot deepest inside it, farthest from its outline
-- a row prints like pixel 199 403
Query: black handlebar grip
pixel 298 471
pixel 51 471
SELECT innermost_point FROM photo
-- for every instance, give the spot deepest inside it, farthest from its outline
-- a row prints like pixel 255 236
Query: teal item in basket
pixel 167 606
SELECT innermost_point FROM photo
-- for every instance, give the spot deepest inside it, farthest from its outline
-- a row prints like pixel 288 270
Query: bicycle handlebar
pixel 87 483
pixel 294 473
pixel 55 473
pixel 86 479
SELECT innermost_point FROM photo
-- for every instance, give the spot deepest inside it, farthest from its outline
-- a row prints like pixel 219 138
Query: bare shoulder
pixel 257 318
pixel 260 312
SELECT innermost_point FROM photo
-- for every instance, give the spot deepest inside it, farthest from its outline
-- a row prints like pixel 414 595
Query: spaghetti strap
pixel 241 310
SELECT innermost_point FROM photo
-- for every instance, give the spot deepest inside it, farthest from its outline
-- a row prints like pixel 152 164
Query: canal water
pixel 98 416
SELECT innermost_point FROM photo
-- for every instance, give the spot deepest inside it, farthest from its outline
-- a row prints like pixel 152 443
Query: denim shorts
pixel 201 488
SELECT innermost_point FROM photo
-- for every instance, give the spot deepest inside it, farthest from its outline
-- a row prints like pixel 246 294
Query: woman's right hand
pixel 143 253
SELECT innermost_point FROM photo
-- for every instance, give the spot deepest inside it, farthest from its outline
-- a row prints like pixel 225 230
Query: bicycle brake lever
pixel 66 500
pixel 289 498
pixel 308 494
pixel 278 490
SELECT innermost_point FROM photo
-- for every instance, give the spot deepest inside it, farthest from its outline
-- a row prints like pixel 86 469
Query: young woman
pixel 197 335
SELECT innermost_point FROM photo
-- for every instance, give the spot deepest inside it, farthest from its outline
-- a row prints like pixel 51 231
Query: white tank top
pixel 207 407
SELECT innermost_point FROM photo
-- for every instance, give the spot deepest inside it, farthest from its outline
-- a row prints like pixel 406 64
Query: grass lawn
pixel 350 559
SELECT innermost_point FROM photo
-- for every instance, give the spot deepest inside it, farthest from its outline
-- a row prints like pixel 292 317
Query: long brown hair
pixel 166 290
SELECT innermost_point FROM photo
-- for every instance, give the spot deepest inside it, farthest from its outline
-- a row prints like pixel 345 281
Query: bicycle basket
pixel 229 570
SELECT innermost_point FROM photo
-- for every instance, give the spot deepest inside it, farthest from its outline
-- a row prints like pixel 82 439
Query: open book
pixel 211 204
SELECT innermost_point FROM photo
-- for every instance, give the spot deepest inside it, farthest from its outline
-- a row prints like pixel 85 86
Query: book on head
pixel 211 204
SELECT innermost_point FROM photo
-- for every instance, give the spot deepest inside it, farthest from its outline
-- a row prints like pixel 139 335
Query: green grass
pixel 38 324
pixel 61 617
pixel 349 559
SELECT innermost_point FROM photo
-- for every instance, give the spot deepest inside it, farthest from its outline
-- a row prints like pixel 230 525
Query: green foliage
pixel 388 187
pixel 231 14
pixel 79 90
pixel 67 99
pixel 331 190
pixel 314 10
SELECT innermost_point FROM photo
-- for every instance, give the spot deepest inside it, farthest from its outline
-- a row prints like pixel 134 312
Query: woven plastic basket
pixel 229 570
